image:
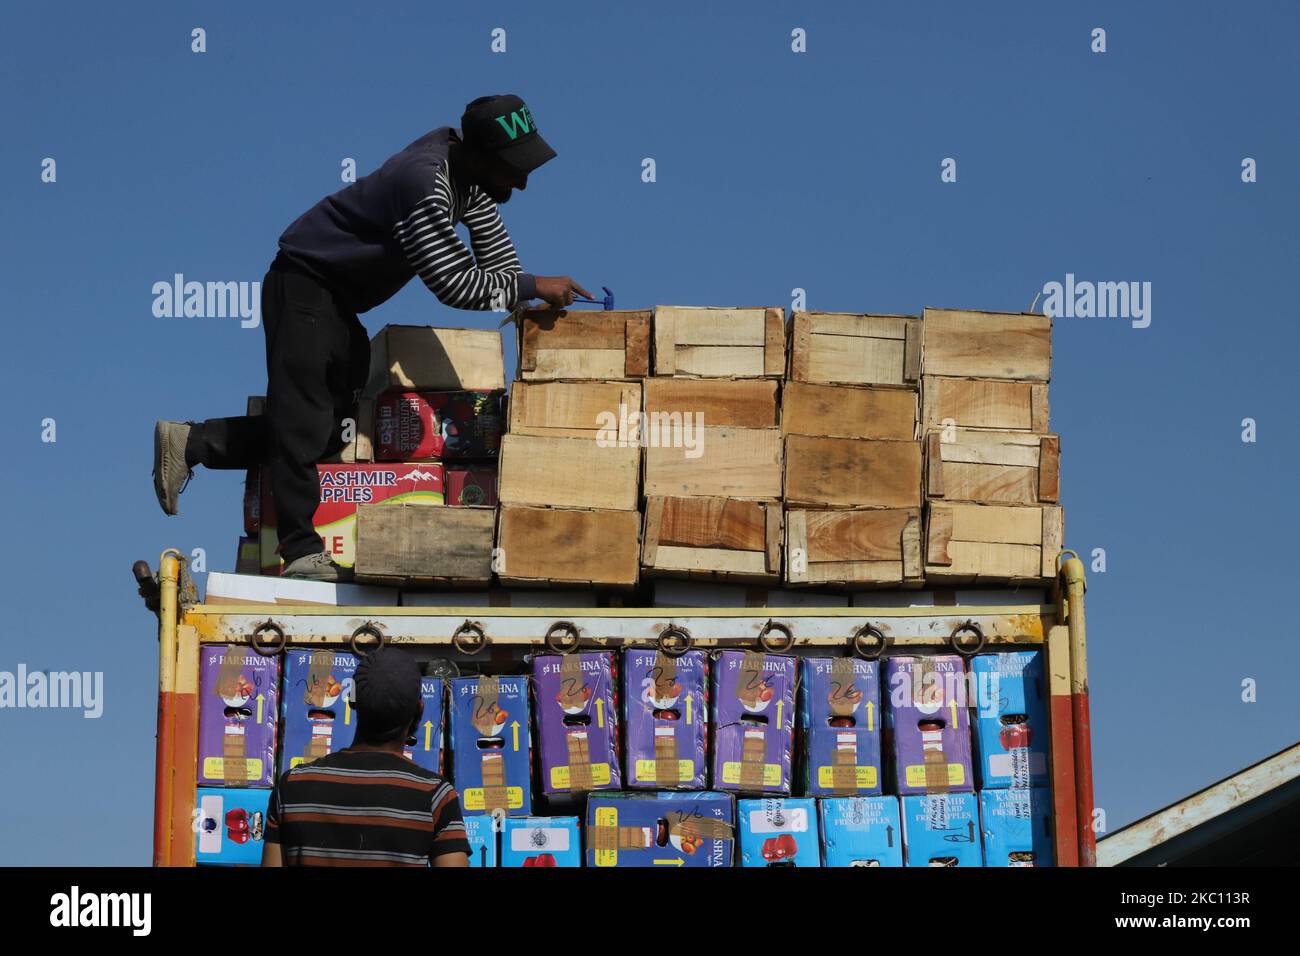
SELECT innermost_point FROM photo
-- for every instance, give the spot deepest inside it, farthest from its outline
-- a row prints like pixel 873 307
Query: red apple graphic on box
pixel 1013 736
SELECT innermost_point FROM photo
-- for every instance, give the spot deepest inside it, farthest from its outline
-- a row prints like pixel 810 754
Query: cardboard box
pixel 568 473
pixel 1011 733
pixel 1017 827
pixel 992 544
pixel 425 748
pixel 983 403
pixel 878 547
pixel 420 358
pixel 449 426
pixel 248 559
pixel 851 473
pixel 661 829
pixel 839 709
pixel 584 344
pixel 482 840
pixel 590 410
pixel 229 826
pixel 694 594
pixel 1009 468
pixel 724 539
pixel 927 721
pixel 753 721
pixel 854 349
pixel 316 708
pixel 238 697
pixel 223 589
pixel 575 698
pixel 1015 346
pixel 861 831
pixel 541 841
pixel 666 716
pixel 846 411
pixel 419 546
pixel 567 546
pixel 779 831
pixel 491 747
pixel 471 485
pixel 343 488
pixel 711 438
pixel 942 829
pixel 719 342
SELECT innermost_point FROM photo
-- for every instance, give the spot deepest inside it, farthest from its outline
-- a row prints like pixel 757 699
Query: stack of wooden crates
pixel 992 466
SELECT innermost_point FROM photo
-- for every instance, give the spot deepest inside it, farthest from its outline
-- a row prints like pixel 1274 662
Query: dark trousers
pixel 317 358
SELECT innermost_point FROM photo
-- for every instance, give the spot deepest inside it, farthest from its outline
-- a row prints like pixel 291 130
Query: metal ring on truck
pixel 772 646
pixel 477 638
pixel 269 650
pixel 370 629
pixel 674 641
pixel 967 650
pixel 562 637
pixel 870 650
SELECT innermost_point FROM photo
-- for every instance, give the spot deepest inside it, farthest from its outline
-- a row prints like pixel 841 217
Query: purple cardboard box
pixel 928 723
pixel 839 715
pixel 665 711
pixel 753 721
pixel 576 703
pixel 237 717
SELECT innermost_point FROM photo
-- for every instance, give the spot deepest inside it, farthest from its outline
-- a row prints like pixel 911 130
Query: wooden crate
pixel 722 539
pixel 719 343
pixel 421 357
pixel 851 473
pixel 1006 468
pixel 847 411
pixel 992 544
pixel 1009 345
pixel 423 546
pixel 582 344
pixel 845 348
pixel 568 473
pixel 574 409
pixel 743 403
pixel 544 546
pixel 854 549
pixel 983 403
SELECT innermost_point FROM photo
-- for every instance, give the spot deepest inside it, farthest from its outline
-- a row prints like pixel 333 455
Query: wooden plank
pixel 912 353
pixel 712 523
pixel 856 324
pixel 423 357
pixel 414 545
pixel 848 411
pixel 637 358
pixel 1039 408
pixel 853 360
pixel 912 549
pixel 800 347
pixel 567 472
pixel 1003 345
pixel 856 535
pixel 732 463
pixel 981 403
pixel 575 329
pixel 774 525
pixel 1053 538
pixel 938 534
pixel 989 447
pixel 984 559
pixel 705 325
pixel 747 404
pixel 992 484
pixel 654 513
pixel 796 547
pixel 1049 469
pixel 665 353
pixel 1006 524
pixel 722 561
pixel 600 364
pixel 842 472
pixel 774 343
pixel 572 409
pixel 543 545
pixel 934 466
pixel 714 361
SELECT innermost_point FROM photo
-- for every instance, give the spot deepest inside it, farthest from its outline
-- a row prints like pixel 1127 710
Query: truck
pixel 480 638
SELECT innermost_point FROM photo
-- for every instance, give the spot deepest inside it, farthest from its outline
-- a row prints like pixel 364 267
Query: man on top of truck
pixel 368 805
pixel 350 252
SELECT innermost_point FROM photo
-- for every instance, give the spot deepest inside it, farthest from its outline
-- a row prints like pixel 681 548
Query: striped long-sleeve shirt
pixel 367 241
pixel 364 808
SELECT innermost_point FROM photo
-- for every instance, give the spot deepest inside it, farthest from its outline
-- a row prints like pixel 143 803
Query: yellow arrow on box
pixel 677 862
pixel 428 734
pixel 953 705
pixel 347 711
pixel 688 707
pixel 871 712
pixel 260 700
pixel 600 712
pixel 514 729
pixel 780 709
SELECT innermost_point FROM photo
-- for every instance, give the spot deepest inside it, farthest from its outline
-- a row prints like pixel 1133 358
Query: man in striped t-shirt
pixel 367 805
pixel 350 252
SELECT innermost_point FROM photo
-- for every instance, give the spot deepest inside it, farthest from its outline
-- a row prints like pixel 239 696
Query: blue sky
pixel 775 170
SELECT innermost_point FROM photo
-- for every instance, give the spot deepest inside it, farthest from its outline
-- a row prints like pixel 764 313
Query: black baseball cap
pixel 504 126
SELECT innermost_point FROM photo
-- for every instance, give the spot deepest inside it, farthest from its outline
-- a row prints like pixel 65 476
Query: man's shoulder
pixel 420 164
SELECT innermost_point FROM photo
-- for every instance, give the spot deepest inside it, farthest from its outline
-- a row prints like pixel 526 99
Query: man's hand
pixel 558 291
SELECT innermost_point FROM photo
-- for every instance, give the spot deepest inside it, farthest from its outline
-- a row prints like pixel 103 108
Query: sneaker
pixel 170 472
pixel 317 567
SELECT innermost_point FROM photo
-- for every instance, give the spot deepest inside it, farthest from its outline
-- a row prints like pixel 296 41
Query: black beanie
pixel 387 693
